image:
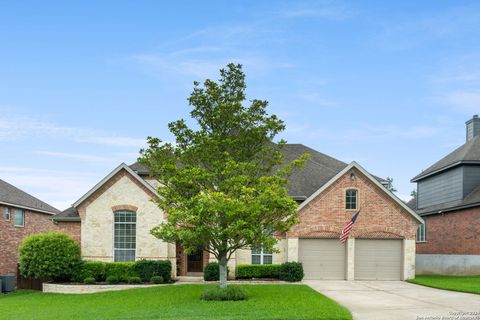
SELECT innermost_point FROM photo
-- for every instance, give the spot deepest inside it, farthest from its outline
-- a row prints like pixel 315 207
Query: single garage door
pixel 322 258
pixel 378 259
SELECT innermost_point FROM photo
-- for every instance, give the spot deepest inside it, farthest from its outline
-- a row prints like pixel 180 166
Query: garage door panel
pixel 378 259
pixel 322 258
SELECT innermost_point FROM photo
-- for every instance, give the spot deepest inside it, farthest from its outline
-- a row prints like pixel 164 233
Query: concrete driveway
pixel 370 300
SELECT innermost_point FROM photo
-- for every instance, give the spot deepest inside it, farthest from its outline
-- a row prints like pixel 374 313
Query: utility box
pixel 8 282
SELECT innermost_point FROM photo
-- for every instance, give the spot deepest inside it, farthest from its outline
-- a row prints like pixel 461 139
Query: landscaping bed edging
pixel 90 288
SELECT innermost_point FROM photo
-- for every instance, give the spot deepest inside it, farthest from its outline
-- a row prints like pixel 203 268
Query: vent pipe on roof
pixel 473 127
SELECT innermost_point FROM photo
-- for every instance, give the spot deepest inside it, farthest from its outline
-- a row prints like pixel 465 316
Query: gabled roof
pixel 318 170
pixel 12 196
pixel 122 166
pixel 468 153
pixel 372 179
pixel 71 214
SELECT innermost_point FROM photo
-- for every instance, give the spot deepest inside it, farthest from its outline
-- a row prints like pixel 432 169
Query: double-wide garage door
pixel 374 259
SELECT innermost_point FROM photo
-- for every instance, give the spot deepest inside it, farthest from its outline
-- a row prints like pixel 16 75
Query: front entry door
pixel 195 261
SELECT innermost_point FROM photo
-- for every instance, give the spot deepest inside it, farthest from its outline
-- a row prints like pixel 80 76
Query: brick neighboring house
pixel 117 214
pixel 448 199
pixel 20 216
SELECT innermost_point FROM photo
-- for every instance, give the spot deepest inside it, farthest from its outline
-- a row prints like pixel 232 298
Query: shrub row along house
pixel 448 199
pixel 115 217
pixel 21 215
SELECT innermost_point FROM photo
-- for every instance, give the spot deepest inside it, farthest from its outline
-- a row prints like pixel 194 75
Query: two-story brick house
pixel 21 215
pixel 117 214
pixel 448 199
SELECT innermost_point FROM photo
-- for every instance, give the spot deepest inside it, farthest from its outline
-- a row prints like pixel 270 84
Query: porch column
pixel 292 254
pixel 350 259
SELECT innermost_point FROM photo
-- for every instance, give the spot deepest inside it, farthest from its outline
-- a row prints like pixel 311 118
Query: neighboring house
pixel 117 214
pixel 448 199
pixel 21 215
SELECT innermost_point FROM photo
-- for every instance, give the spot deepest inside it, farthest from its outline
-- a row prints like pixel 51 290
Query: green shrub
pixel 157 279
pixel 211 272
pixel 49 255
pixel 249 271
pixel 112 280
pixel 89 280
pixel 291 271
pixel 146 269
pixel 134 280
pixel 230 293
pixel 93 269
pixel 121 270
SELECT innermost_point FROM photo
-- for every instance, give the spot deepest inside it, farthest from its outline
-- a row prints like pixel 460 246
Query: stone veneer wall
pixel 96 212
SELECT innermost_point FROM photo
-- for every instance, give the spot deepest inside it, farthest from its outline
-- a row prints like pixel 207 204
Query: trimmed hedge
pixel 211 272
pixel 146 269
pixel 291 271
pixel 123 271
pixel 50 255
pixel 250 271
pixel 93 269
pixel 157 279
pixel 112 280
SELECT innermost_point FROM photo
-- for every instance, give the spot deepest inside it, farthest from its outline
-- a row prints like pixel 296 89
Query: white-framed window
pixel 124 237
pixel 19 217
pixel 351 199
pixel 422 233
pixel 260 256
pixel 7 214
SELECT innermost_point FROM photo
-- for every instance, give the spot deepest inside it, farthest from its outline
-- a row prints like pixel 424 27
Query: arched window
pixel 351 199
pixel 125 231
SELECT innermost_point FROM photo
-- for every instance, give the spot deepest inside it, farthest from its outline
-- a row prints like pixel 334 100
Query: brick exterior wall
pixel 380 218
pixel 11 237
pixel 456 232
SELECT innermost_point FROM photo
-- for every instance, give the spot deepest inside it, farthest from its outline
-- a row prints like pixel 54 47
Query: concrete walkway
pixel 371 300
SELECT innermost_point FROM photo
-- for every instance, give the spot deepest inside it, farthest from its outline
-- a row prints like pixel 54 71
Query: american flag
pixel 348 227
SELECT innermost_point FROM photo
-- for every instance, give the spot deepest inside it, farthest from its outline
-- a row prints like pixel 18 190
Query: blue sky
pixel 82 84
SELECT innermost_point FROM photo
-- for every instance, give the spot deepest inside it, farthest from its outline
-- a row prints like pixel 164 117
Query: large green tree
pixel 223 179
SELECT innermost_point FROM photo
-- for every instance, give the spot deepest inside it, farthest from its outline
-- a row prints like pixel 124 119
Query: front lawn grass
pixel 174 302
pixel 470 284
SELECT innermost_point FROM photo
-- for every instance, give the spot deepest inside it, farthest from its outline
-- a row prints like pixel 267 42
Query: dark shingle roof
pixel 412 203
pixel 140 168
pixel 467 153
pixel 14 196
pixel 471 200
pixel 70 214
pixel 318 170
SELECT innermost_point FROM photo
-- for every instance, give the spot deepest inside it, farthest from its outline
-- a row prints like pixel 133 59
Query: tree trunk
pixel 222 265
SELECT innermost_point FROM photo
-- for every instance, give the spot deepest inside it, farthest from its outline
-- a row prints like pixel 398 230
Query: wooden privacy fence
pixel 28 283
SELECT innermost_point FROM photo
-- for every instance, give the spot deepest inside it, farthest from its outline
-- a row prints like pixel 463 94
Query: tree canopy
pixel 224 179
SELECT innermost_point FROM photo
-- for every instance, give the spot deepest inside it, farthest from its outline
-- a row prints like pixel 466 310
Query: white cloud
pixel 52 186
pixel 14 127
pixel 77 156
pixel 326 10
pixel 465 101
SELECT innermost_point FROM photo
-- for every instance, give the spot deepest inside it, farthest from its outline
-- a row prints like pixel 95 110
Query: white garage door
pixel 322 258
pixel 378 259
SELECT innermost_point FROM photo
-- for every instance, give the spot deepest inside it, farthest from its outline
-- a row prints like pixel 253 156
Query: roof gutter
pixel 27 208
pixel 65 219
pixel 421 176
pixel 461 207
